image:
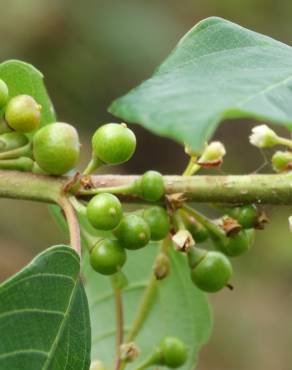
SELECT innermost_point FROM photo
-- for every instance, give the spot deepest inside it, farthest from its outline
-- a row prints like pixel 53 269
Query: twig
pixel 73 224
pixel 119 322
pixel 147 300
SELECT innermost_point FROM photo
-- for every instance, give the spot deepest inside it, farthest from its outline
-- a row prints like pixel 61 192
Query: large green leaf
pixel 178 308
pixel 218 70
pixel 23 78
pixel 44 319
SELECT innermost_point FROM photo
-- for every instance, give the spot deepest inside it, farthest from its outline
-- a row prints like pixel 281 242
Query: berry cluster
pixel 232 235
pixel 130 231
pixel 54 149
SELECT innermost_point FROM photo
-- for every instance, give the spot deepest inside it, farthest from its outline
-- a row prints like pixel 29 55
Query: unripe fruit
pixel 199 233
pixel 4 93
pixel 236 245
pixel 173 352
pixel 114 143
pixel 245 215
pixel 23 113
pixel 282 161
pixel 107 256
pixel 12 140
pixel 158 221
pixel 150 186
pixel 212 273
pixel 104 211
pixel 133 232
pixel 56 148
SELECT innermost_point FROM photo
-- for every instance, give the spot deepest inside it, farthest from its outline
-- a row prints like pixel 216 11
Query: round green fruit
pixel 158 221
pixel 173 352
pixel 56 148
pixel 133 232
pixel 150 186
pixel 4 93
pixel 114 143
pixel 236 245
pixel 104 211
pixel 212 273
pixel 199 233
pixel 107 256
pixel 245 215
pixel 23 113
pixel 282 161
pixel 12 140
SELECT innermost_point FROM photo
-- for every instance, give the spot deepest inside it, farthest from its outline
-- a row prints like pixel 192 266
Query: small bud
pixel 129 352
pixel 161 266
pixel 212 155
pixel 263 137
pixel 282 161
pixel 183 240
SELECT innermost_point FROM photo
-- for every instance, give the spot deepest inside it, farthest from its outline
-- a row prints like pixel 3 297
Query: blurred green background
pixel 90 53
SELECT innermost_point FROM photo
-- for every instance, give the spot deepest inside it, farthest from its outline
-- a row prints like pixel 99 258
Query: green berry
pixel 245 215
pixel 133 232
pixel 104 211
pixel 282 161
pixel 158 221
pixel 107 256
pixel 12 140
pixel 173 352
pixel 236 245
pixel 212 273
pixel 150 186
pixel 56 148
pixel 114 143
pixel 4 93
pixel 199 233
pixel 23 113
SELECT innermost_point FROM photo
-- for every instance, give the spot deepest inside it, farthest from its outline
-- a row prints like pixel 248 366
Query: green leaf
pixel 44 319
pixel 178 307
pixel 23 78
pixel 218 70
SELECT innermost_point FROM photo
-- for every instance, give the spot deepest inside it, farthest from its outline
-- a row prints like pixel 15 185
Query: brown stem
pixel 73 224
